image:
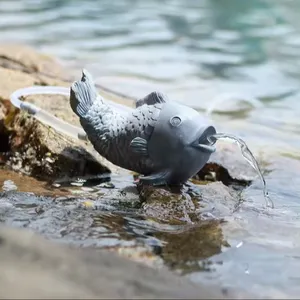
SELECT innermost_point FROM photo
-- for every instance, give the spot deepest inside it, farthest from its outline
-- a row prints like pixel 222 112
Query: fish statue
pixel 165 142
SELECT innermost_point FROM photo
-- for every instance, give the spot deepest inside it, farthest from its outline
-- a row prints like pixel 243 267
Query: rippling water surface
pixel 194 50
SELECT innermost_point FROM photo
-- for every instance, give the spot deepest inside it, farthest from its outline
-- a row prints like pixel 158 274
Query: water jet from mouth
pixel 249 157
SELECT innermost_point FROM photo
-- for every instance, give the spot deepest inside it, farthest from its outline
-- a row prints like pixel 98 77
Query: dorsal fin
pixel 151 99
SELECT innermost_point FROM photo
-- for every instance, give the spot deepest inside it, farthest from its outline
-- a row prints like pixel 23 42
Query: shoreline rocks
pixel 61 272
pixel 27 145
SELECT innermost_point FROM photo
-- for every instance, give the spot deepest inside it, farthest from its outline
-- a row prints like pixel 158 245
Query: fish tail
pixel 83 94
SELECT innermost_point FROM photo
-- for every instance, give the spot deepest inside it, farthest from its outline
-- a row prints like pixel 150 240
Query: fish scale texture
pixel 111 133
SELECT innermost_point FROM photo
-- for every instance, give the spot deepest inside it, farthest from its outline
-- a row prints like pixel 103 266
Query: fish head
pixel 180 140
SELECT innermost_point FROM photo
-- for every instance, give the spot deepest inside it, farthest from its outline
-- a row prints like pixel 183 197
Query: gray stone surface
pixel 32 267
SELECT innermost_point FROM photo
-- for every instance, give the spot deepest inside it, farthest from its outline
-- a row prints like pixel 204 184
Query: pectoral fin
pixel 140 146
pixel 159 178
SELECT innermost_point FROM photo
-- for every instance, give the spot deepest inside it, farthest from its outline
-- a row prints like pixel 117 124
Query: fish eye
pixel 175 121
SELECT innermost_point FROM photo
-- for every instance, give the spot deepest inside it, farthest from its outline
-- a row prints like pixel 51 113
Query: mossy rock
pixel 29 146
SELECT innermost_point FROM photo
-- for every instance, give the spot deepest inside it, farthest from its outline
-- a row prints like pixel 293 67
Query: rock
pixel 56 271
pixel 166 204
pixel 26 144
pixel 25 59
pixel 218 200
pixel 192 216
pixel 190 203
pixel 44 154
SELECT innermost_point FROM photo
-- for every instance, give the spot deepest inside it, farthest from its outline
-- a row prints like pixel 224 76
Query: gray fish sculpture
pixel 164 141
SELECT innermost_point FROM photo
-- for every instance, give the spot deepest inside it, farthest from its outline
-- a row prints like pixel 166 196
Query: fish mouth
pixel 203 143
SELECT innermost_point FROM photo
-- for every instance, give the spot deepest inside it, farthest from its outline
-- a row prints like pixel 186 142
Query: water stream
pixel 247 154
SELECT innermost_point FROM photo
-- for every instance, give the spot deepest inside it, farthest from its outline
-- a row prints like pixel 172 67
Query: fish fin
pixel 151 99
pixel 139 145
pixel 159 178
pixel 83 94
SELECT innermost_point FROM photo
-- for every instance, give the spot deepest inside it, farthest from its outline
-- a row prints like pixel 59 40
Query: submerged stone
pixel 187 248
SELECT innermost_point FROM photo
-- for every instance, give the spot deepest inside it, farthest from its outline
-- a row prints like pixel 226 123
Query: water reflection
pixel 186 250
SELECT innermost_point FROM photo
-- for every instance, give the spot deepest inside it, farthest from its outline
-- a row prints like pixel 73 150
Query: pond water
pixel 195 50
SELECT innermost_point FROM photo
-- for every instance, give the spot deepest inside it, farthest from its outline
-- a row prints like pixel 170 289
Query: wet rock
pixel 183 246
pixel 189 220
pixel 55 271
pixel 218 200
pixel 29 146
pixel 10 180
pixel 172 205
pixel 189 203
